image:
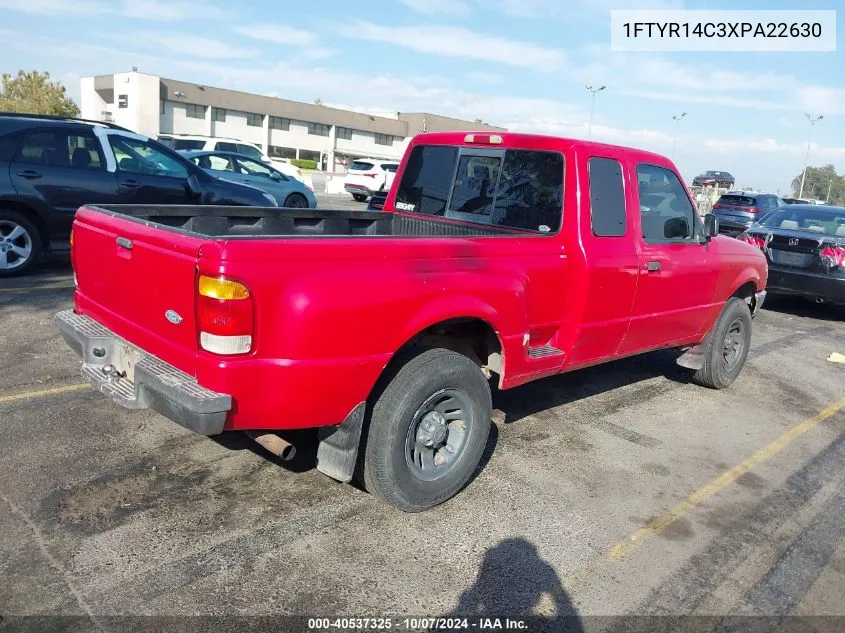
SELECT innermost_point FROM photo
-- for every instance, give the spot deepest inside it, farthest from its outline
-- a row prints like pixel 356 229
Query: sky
pixel 520 64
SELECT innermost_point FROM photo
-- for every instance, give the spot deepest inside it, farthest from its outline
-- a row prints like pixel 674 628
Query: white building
pixel 153 105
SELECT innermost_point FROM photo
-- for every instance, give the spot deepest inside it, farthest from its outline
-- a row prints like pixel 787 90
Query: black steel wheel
pixel 427 430
pixel 727 346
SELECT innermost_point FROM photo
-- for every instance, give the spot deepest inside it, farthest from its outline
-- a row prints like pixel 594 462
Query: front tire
pixel 296 201
pixel 20 244
pixel 727 349
pixel 427 430
pixel 359 197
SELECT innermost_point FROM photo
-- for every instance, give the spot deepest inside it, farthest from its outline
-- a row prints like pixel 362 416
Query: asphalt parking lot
pixel 619 490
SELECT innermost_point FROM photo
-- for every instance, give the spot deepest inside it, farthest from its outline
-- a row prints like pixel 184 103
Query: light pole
pixel 592 107
pixel 812 121
pixel 677 119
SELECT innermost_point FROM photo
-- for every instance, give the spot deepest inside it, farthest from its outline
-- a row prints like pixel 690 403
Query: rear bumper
pixel 360 189
pixel 786 281
pixel 733 224
pixel 156 384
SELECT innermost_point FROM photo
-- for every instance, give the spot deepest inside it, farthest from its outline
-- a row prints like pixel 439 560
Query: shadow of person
pixel 516 584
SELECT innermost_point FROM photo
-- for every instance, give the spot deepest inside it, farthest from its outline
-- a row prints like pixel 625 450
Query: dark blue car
pixel 50 166
pixel 287 191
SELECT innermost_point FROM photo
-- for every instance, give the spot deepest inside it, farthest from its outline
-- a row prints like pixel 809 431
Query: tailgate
pixel 138 280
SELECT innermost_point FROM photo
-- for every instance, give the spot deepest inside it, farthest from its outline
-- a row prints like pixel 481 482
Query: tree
pixel 817 182
pixel 34 93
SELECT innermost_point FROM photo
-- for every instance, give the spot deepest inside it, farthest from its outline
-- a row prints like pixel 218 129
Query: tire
pixel 296 201
pixel 397 467
pixel 721 365
pixel 20 244
pixel 359 197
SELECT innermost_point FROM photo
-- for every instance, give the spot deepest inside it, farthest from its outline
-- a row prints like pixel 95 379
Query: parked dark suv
pixel 738 210
pixel 51 166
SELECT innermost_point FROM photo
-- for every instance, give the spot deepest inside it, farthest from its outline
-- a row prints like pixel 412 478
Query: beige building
pixel 152 105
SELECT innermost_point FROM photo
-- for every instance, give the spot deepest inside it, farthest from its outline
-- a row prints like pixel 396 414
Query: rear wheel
pixel 727 349
pixel 359 197
pixel 427 430
pixel 296 201
pixel 20 244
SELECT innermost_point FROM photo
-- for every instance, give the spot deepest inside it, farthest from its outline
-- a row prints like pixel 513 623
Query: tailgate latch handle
pixel 124 242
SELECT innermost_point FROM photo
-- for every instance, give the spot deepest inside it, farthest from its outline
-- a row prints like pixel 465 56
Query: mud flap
pixel 693 358
pixel 338 448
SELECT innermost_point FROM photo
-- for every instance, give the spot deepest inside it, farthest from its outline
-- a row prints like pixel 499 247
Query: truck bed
pixel 261 222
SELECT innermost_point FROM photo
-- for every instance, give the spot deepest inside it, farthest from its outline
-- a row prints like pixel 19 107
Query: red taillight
pixel 718 206
pixel 759 242
pixel 369 175
pixel 834 256
pixel 753 210
pixel 72 258
pixel 224 316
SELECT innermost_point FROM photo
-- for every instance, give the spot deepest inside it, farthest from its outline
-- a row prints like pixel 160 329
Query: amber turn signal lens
pixel 216 288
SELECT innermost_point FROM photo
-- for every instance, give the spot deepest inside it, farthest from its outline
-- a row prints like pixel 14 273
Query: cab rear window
pixel 738 201
pixel 516 188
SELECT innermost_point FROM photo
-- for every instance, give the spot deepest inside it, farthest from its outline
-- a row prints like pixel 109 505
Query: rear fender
pixel 456 307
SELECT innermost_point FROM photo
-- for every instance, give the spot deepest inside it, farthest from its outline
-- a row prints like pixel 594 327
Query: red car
pixel 497 258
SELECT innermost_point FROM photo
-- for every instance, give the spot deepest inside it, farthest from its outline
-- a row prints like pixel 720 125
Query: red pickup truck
pixel 498 259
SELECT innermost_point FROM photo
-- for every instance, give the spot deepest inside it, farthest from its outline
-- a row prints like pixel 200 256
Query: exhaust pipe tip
pixel 288 452
pixel 280 447
pixel 819 300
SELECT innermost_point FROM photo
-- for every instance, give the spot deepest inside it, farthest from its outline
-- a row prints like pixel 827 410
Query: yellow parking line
pixel 45 392
pixel 44 287
pixel 659 524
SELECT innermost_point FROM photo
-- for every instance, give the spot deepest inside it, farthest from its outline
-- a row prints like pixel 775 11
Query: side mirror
pixel 192 184
pixel 711 225
pixel 275 176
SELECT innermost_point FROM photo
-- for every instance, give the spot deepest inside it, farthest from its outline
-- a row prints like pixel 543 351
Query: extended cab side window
pixel 666 211
pixel 607 197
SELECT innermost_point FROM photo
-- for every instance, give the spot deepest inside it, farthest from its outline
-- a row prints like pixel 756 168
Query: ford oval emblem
pixel 173 317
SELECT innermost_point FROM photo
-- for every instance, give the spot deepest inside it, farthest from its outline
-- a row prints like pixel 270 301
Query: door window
pixel 61 148
pixel 666 211
pixel 607 197
pixel 249 150
pixel 214 162
pixel 253 168
pixel 142 157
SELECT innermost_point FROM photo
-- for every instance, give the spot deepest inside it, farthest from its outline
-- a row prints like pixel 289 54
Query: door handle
pixel 652 267
pixel 29 174
pixel 130 184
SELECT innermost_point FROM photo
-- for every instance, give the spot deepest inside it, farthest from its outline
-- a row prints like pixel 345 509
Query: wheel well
pixel 31 214
pixel 472 337
pixel 747 292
